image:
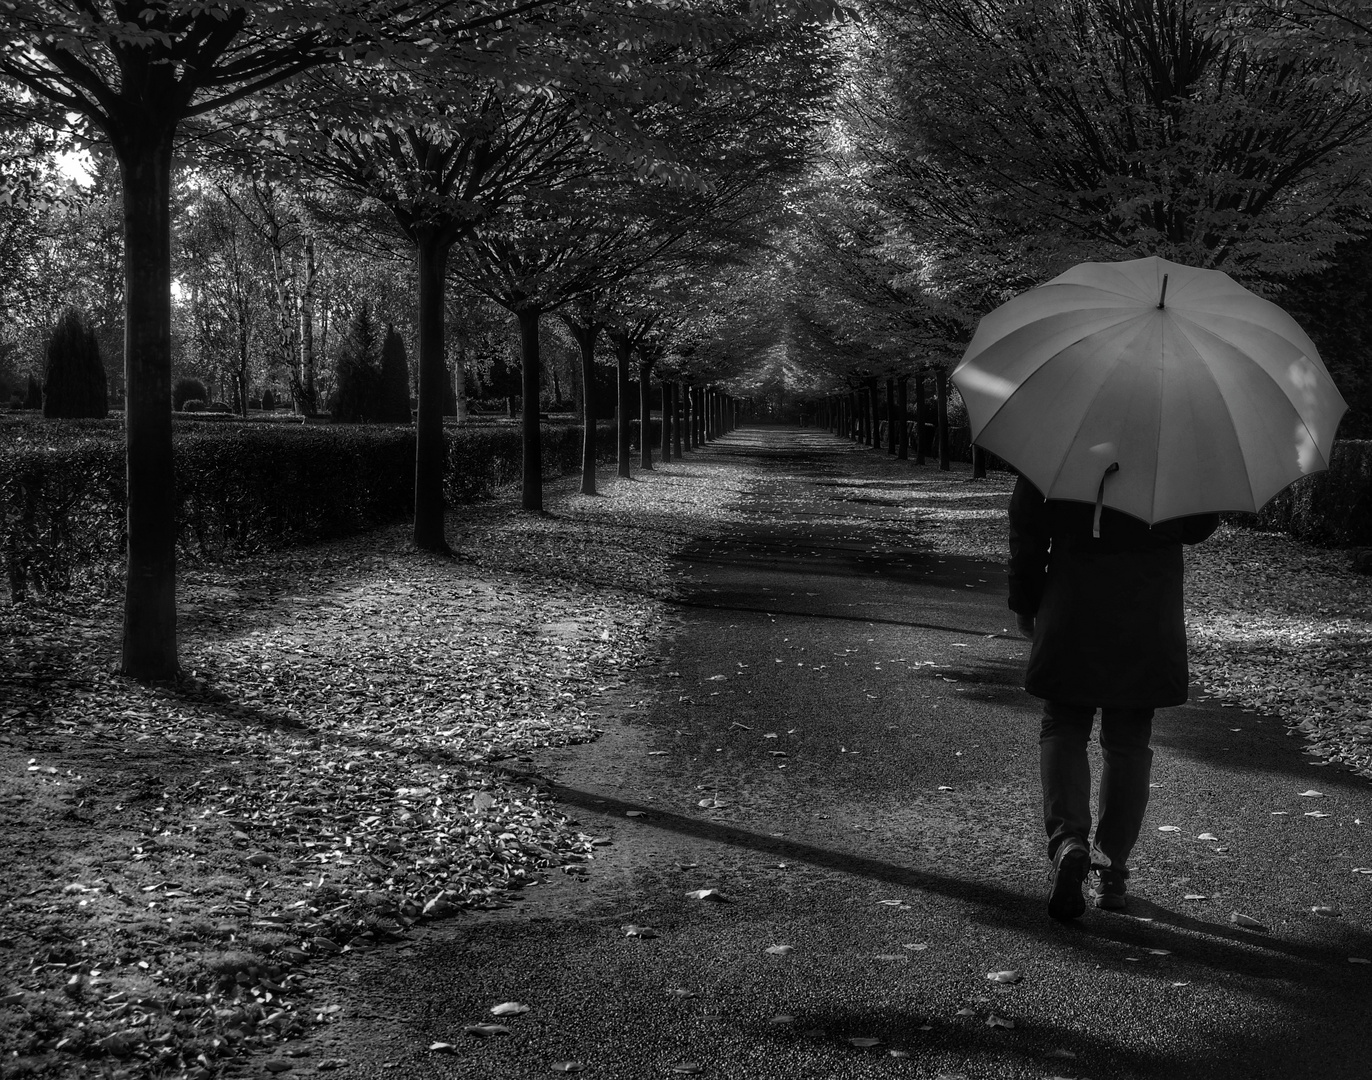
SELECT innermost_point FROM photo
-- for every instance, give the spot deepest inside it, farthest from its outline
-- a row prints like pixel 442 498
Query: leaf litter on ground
pixel 346 756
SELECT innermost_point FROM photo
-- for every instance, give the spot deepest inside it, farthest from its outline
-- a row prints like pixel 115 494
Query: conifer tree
pixel 394 404
pixel 359 371
pixel 74 378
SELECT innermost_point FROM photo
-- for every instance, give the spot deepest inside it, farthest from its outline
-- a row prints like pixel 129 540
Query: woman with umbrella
pixel 1133 417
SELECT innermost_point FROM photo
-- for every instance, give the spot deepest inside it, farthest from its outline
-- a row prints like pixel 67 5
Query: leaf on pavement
pixel 1195 896
pixel 1327 912
pixel 1239 919
pixel 443 1048
pixel 712 803
pixel 485 1031
pixel 1312 794
pixel 567 1066
pixel 1316 813
pixel 999 1022
pixel 1169 828
pixel 781 950
pixel 916 946
pixel 509 1008
pixel 1207 836
pixel 686 1067
pixel 864 1042
pixel 679 993
pixel 1359 960
pixel 782 1019
pixel 714 896
pixel 634 930
pixel 1005 977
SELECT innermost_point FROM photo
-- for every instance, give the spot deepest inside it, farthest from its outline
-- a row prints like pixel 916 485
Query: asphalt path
pixel 850 711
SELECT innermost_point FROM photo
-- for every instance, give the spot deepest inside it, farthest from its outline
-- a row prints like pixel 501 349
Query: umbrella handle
pixel 1100 498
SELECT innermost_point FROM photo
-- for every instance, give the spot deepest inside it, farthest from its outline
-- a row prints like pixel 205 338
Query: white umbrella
pixel 1190 393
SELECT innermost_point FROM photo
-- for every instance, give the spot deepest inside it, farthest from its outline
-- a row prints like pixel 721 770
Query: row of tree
pixel 590 159
pixel 978 148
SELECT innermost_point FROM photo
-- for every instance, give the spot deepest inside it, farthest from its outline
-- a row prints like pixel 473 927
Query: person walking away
pixel 1100 594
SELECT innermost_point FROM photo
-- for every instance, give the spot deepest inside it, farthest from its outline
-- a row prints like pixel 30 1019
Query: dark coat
pixel 1109 625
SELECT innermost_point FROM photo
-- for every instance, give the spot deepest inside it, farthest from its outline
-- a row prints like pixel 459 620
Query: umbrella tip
pixel 1162 297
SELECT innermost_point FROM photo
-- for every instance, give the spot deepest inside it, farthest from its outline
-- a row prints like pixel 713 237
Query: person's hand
pixel 1026 625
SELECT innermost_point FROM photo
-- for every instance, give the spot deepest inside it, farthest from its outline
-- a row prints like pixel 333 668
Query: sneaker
pixel 1070 867
pixel 1109 890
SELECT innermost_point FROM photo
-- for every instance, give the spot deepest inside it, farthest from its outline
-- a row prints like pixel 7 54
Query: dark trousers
pixel 1066 775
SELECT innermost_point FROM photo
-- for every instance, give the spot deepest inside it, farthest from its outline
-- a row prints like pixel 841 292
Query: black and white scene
pixel 746 539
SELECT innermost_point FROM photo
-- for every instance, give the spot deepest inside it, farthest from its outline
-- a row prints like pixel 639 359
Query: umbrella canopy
pixel 1154 388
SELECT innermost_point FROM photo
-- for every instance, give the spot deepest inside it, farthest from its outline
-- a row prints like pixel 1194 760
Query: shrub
pixel 394 404
pixel 74 377
pixel 358 370
pixel 220 407
pixel 1331 508
pixel 194 405
pixel 268 399
pixel 188 390
pixel 240 487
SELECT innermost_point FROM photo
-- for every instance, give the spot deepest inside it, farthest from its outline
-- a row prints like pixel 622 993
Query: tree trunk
pixel 645 404
pixel 307 364
pixel 585 338
pixel 903 417
pixel 532 473
pixel 678 418
pixel 667 394
pixel 149 647
pixel 623 396
pixel 978 463
pixel 873 416
pixel 431 264
pixel 890 415
pixel 941 394
pixel 460 383
pixel 921 410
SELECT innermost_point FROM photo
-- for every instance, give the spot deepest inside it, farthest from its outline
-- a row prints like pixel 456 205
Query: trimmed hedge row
pixel 241 487
pixel 1332 508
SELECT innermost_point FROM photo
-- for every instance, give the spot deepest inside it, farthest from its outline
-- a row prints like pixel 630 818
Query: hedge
pixel 1331 508
pixel 241 487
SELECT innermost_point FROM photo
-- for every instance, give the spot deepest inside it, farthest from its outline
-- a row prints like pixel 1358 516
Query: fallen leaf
pixel 1194 896
pixel 964 1011
pixel 633 813
pixel 1312 794
pixel 864 1042
pixel 1239 919
pixel 712 895
pixel 567 1066
pixel 634 930
pixel 781 1019
pixel 1358 960
pixel 1004 977
pixel 712 803
pixel 1327 912
pixel 509 1008
pixel 1062 1052
pixel 1207 836
pixel 899 1053
pixel 1169 828
pixel 485 1031
pixel 443 1048
pixel 916 946
pixel 999 1022
pixel 686 1067
pixel 780 950
pixel 1161 952
pixel 1315 813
